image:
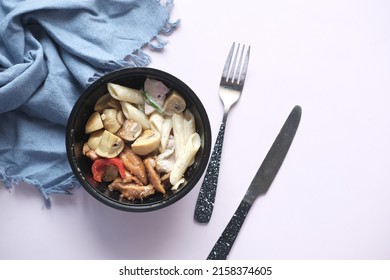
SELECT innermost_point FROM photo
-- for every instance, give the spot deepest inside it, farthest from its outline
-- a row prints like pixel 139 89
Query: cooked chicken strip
pixel 88 152
pixel 131 191
pixel 130 178
pixel 134 164
pixel 154 177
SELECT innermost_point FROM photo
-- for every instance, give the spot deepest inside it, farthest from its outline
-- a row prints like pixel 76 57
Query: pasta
pixel 133 113
pixel 122 93
pixel 165 133
pixel 189 124
pixel 178 133
pixel 178 183
pixel 184 160
pixel 125 142
pixel 156 121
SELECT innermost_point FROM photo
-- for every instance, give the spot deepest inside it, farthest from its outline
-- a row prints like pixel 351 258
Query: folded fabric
pixel 50 51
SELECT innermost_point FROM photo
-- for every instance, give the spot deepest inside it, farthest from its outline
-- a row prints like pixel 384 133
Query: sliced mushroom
pixel 120 117
pixel 94 123
pixel 175 103
pixel 94 139
pixel 146 143
pixel 131 191
pixel 110 145
pixel 154 177
pixel 106 102
pixel 110 120
pixel 130 130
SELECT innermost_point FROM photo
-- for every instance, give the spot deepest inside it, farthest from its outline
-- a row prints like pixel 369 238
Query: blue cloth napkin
pixel 50 51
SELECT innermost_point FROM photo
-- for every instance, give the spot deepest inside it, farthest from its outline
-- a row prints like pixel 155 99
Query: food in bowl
pixel 76 137
pixel 141 141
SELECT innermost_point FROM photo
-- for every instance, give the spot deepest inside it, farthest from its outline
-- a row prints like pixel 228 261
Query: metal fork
pixel 230 89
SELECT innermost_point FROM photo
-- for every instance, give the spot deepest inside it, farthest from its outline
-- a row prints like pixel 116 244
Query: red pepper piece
pixel 99 167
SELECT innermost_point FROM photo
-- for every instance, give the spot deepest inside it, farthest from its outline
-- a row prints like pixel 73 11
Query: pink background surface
pixel 330 199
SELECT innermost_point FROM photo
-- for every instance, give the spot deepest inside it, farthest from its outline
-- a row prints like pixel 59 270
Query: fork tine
pixel 233 68
pixel 227 64
pixel 245 67
pixel 237 73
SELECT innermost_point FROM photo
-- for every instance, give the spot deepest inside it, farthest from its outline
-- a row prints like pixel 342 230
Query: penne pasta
pixel 178 132
pixel 191 148
pixel 178 184
pixel 134 114
pixel 122 93
pixel 189 124
pixel 156 121
pixel 165 133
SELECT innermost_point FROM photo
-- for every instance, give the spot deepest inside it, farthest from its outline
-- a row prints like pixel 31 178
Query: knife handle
pixel 205 203
pixel 225 242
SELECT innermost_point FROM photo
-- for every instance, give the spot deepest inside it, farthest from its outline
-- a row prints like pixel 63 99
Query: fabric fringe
pixel 64 187
pixel 169 6
pixel 170 26
pixel 159 43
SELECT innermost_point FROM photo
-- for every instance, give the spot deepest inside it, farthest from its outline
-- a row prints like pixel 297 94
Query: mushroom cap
pixel 175 103
pixel 94 123
pixel 105 102
pixel 130 130
pixel 94 139
pixel 110 120
pixel 146 143
pixel 110 145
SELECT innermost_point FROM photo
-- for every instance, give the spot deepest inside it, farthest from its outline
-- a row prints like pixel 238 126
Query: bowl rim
pixel 138 71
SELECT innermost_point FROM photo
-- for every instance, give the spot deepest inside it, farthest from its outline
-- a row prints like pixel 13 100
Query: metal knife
pixel 260 184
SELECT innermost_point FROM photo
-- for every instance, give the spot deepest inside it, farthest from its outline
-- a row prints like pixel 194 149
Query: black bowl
pixel 76 137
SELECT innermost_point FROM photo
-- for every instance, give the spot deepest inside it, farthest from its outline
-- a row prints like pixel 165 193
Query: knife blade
pixel 260 184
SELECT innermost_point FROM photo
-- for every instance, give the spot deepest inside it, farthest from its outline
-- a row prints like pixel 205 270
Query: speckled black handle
pixel 205 203
pixel 225 242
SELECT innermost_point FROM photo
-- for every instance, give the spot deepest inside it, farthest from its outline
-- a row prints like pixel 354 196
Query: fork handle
pixel 225 242
pixel 205 203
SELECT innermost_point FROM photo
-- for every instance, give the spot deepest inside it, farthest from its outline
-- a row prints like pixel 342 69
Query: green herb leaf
pixel 149 100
